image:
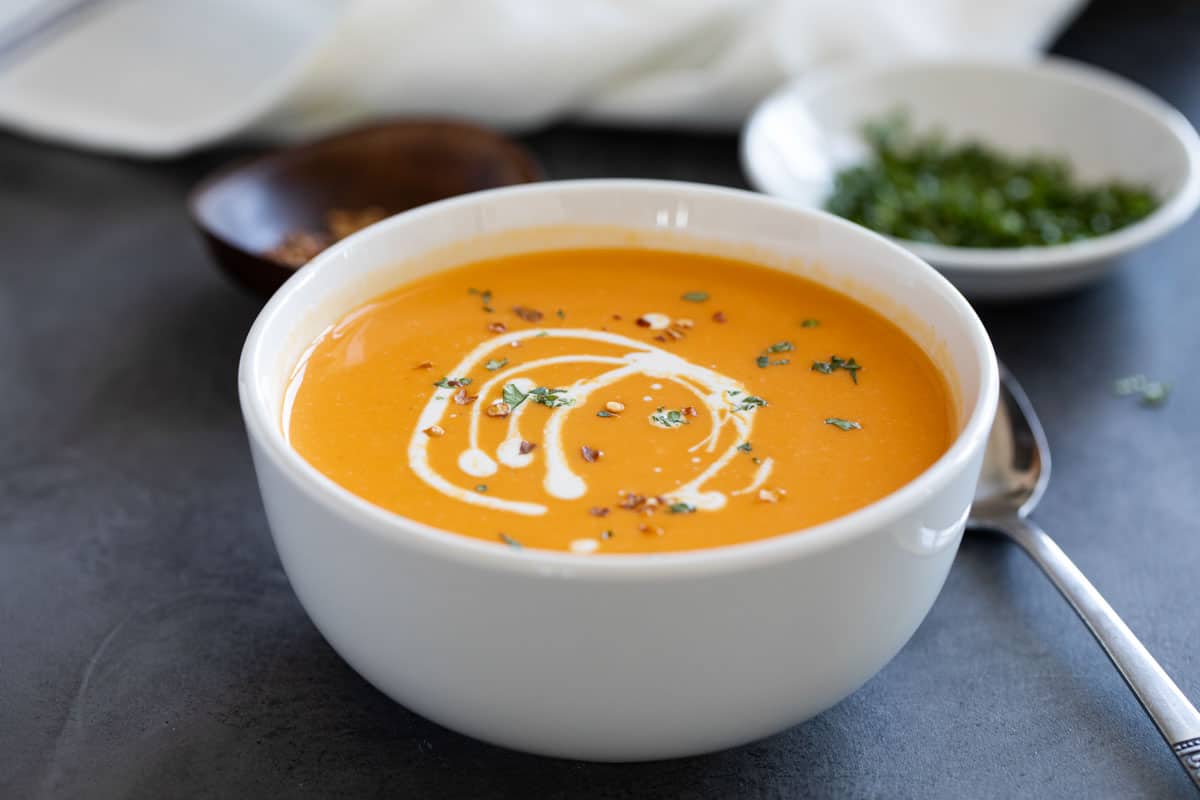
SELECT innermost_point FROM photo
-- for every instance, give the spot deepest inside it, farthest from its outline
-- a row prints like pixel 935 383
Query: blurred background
pixel 149 637
pixel 164 77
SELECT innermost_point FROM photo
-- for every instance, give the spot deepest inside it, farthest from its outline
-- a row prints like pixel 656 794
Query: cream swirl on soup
pixel 722 397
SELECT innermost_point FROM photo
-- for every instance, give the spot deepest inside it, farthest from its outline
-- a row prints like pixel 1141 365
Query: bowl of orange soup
pixel 617 470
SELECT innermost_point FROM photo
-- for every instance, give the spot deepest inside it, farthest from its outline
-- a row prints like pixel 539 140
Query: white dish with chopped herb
pixel 1093 141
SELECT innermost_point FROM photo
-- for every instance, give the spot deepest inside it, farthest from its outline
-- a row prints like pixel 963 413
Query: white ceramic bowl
pixel 616 657
pixel 1105 126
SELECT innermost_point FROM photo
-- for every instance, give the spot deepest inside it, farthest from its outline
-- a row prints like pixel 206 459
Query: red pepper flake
pixel 589 455
pixel 632 501
pixel 651 530
pixel 617 317
pixel 690 411
pixel 528 314
pixel 642 322
pixel 497 327
pixel 462 398
pixel 598 511
pixel 526 447
pixel 299 247
pixel 660 338
pixel 719 316
pixel 424 365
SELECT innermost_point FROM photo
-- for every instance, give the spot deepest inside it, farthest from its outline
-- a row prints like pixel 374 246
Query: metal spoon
pixel 1015 473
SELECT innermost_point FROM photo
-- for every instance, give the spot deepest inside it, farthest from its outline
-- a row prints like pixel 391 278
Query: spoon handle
pixel 1176 718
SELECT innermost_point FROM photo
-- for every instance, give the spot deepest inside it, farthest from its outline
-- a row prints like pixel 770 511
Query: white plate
pixel 1105 126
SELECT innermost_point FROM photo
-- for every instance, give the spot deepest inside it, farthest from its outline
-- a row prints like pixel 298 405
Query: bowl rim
pixel 397 529
pixel 1174 210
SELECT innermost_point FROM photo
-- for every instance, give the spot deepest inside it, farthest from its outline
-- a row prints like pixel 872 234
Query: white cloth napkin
pixel 161 77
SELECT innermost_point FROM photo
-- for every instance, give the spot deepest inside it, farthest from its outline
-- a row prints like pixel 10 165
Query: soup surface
pixel 618 401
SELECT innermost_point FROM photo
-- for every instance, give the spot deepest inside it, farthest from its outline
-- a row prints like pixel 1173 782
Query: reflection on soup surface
pixel 618 401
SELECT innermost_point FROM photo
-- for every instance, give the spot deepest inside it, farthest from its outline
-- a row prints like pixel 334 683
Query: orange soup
pixel 618 401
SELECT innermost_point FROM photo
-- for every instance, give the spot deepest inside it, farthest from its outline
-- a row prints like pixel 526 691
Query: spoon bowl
pixel 1016 466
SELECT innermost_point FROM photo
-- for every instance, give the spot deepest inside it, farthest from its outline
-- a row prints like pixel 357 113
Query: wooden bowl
pixel 248 212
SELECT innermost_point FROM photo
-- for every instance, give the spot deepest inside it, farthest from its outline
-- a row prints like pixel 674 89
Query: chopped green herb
pixel 834 363
pixel 810 323
pixel 921 187
pixel 485 296
pixel 668 419
pixel 1150 393
pixel 550 398
pixel 748 403
pixel 561 314
pixel 1155 393
pixel 779 347
pixel 745 447
pixel 451 383
pixel 510 541
pixel 695 297
pixel 844 424
pixel 512 395
pixel 540 334
pixel 481 487
pixel 603 413
pixel 681 508
pixel 493 364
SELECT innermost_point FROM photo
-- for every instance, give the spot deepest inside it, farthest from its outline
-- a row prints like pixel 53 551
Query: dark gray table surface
pixel 150 645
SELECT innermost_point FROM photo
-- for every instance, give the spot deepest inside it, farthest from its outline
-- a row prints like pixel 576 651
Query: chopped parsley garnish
pixel 485 296
pixel 924 186
pixel 451 383
pixel 681 508
pixel 495 364
pixel 810 323
pixel 834 364
pixel 508 540
pixel 779 347
pixel 550 398
pixel 745 447
pixel 604 413
pixel 747 402
pixel 844 424
pixel 668 419
pixel 540 334
pixel 512 395
pixel 695 297
pixel 1150 393
pixel 560 314
pixel 481 487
